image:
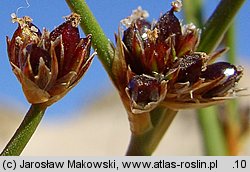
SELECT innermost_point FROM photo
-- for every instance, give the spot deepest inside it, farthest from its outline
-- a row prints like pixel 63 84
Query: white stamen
pixel 188 28
pixel 138 13
pixel 177 4
pixel 18 40
pixel 144 36
pixel 34 29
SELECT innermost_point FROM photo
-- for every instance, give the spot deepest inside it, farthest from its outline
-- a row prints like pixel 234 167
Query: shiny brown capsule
pixel 190 68
pixel 143 89
pixel 227 74
pixel 145 92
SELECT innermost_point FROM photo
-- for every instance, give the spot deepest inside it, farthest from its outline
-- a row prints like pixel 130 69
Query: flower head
pixel 157 64
pixel 48 64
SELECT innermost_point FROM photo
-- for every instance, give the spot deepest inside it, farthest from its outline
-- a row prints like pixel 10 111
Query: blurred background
pixel 91 115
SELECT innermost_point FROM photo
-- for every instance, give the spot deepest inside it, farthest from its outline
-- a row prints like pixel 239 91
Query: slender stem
pixel 145 144
pixel 214 139
pixel 230 42
pixel 193 13
pixel 212 133
pixel 217 25
pixel 25 131
pixel 211 36
pixel 100 42
pixel 233 121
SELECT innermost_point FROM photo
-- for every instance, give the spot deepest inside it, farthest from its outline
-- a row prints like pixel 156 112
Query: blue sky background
pixel 48 13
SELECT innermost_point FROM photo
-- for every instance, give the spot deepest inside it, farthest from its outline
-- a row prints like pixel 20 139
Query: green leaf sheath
pixel 100 42
pixel 25 131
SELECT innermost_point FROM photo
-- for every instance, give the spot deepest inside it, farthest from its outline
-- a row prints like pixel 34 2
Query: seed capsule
pixel 144 89
pixel 168 25
pixel 227 74
pixel 190 68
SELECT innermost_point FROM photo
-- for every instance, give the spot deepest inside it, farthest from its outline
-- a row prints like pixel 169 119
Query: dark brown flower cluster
pixel 157 64
pixel 48 64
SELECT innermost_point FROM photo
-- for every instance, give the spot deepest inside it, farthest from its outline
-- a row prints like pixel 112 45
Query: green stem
pixel 145 144
pixel 230 42
pixel 211 36
pixel 217 25
pixel 100 42
pixel 193 13
pixel 214 139
pixel 213 136
pixel 25 131
pixel 233 122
